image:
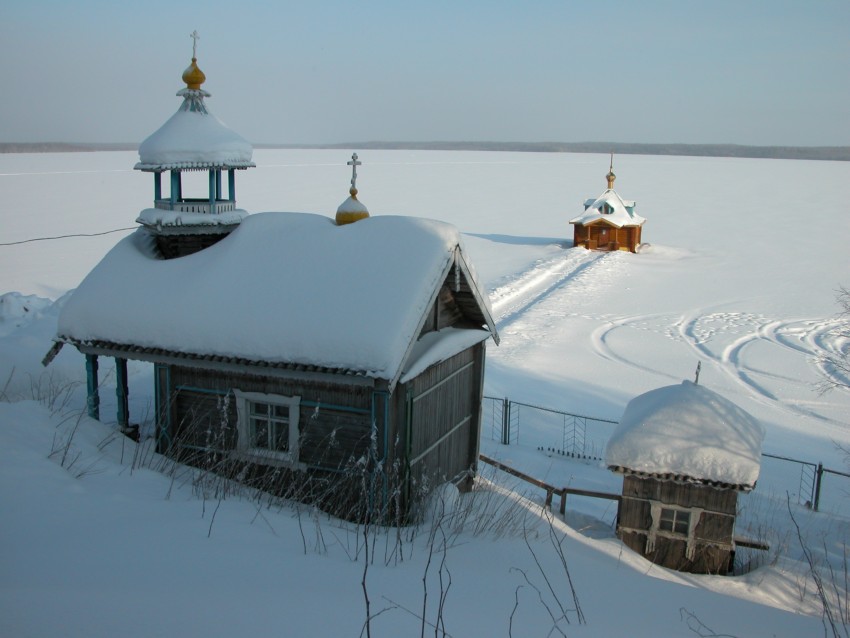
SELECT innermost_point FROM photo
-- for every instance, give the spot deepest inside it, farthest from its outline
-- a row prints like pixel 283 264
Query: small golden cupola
pixel 610 176
pixel 352 209
pixel 193 76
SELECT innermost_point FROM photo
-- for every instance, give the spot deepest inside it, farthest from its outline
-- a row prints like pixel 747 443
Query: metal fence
pixel 585 437
pixel 580 436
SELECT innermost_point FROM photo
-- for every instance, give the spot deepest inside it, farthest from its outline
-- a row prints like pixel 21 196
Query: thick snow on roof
pixel 194 138
pixel 690 431
pixel 283 287
pixel 622 213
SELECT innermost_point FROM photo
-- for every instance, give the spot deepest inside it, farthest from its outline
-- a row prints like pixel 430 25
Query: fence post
pixel 818 477
pixel 506 422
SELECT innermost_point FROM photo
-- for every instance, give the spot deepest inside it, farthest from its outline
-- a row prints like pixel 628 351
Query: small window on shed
pixel 675 521
pixel 268 425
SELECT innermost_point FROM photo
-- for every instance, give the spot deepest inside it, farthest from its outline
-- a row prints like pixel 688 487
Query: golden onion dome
pixel 351 210
pixel 193 76
pixel 610 176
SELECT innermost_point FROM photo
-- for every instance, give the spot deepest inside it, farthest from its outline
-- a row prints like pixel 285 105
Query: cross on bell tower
pixel 195 37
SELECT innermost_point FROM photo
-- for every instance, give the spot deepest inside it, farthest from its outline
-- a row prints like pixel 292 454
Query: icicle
pixel 457 273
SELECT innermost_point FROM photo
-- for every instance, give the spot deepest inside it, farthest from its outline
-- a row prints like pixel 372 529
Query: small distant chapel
pixel 336 359
pixel 609 222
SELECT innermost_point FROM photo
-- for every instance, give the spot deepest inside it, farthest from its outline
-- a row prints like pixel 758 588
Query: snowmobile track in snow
pixel 512 299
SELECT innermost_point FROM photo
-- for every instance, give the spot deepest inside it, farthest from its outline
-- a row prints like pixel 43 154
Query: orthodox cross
pixel 194 35
pixel 354 163
pixel 699 366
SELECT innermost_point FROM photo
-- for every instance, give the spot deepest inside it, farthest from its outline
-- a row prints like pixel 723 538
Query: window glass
pixel 260 433
pixel 268 424
pixel 676 521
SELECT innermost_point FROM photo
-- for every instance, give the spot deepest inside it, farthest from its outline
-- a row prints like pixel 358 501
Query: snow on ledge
pixel 439 346
pixel 158 218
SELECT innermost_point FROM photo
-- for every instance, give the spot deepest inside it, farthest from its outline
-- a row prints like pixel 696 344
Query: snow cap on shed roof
pixel 689 432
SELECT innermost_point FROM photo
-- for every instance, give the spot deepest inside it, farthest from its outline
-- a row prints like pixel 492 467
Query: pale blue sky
pixel 765 72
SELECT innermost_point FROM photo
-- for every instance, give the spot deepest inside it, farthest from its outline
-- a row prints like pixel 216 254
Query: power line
pixel 106 232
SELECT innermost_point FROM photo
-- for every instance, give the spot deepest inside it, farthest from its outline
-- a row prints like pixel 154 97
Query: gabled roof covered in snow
pixel 687 432
pixel 284 290
pixel 621 211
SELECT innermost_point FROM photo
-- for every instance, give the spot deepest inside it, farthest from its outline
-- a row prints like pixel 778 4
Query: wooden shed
pixel 337 361
pixel 300 345
pixel 685 453
pixel 608 222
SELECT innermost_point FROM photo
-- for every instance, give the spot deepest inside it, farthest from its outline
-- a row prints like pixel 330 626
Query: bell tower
pixel 193 139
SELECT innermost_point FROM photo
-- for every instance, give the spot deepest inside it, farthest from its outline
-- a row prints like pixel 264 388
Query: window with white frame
pixel 268 425
pixel 675 521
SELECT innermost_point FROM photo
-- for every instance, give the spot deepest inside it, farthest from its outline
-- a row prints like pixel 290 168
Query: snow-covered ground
pixel 741 274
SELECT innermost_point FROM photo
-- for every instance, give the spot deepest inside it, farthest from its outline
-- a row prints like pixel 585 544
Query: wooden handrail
pixel 551 490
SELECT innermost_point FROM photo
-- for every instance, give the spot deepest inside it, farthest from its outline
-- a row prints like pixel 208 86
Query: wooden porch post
pixel 174 194
pixel 122 392
pixel 212 190
pixel 92 396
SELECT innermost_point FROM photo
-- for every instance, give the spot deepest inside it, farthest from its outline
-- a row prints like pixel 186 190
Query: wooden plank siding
pixel 712 534
pixel 625 238
pixel 334 424
pixel 444 418
pixel 443 313
pixel 682 494
pixel 426 432
pixel 670 553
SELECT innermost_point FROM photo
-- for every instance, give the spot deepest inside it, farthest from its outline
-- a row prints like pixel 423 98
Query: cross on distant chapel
pixel 194 35
pixel 354 163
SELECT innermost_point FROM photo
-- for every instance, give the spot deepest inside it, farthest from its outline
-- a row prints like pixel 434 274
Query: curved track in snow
pixel 750 349
pixel 776 362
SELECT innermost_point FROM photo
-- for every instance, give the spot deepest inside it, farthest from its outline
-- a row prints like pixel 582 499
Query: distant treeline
pixel 62 147
pixel 839 153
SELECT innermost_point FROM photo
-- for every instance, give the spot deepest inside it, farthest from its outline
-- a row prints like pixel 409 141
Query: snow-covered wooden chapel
pixel 294 351
pixel 685 453
pixel 608 222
